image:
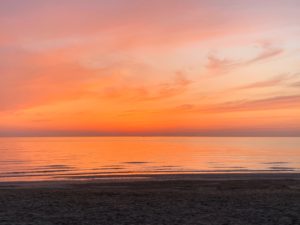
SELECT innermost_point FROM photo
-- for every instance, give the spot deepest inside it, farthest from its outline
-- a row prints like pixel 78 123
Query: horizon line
pixel 41 136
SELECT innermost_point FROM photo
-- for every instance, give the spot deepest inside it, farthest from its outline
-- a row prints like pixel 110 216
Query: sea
pixel 89 158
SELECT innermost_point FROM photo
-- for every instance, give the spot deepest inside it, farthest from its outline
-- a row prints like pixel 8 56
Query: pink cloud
pixel 273 103
pixel 274 81
pixel 219 66
pixel 268 51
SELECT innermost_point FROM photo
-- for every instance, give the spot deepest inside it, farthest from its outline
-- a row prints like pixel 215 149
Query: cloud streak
pixel 273 103
pixel 219 66
pixel 272 82
pixel 176 86
pixel 278 102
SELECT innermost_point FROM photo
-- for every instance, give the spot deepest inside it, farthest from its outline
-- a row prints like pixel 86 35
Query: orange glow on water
pixel 100 157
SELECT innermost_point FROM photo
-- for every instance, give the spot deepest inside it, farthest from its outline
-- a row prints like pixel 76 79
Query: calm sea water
pixel 32 159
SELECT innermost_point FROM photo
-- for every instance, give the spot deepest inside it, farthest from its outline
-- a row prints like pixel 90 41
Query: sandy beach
pixel 178 199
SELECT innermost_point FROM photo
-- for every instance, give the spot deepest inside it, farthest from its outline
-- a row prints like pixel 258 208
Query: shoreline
pixel 116 179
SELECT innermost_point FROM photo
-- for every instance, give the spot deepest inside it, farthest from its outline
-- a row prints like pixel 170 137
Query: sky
pixel 160 67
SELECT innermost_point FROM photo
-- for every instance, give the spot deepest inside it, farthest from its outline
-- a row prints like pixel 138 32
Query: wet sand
pixel 177 199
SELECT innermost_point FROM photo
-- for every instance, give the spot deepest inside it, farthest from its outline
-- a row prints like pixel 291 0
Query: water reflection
pixel 86 158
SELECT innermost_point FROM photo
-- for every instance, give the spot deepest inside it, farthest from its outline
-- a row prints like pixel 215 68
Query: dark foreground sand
pixel 206 200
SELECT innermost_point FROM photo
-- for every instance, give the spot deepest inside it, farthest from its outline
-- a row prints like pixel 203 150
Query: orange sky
pixel 137 67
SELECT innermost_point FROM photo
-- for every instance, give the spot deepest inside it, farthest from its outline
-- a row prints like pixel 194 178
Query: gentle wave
pixel 27 159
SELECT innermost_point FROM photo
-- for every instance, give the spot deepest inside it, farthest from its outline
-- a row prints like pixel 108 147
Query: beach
pixel 162 112
pixel 219 199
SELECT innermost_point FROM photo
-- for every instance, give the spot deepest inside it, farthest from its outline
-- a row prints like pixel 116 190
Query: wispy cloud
pixel 274 81
pixel 295 84
pixel 26 80
pixel 30 79
pixel 268 50
pixel 176 86
pixel 277 102
pixel 219 66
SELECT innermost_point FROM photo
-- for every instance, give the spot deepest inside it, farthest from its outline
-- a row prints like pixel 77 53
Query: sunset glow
pixel 137 67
